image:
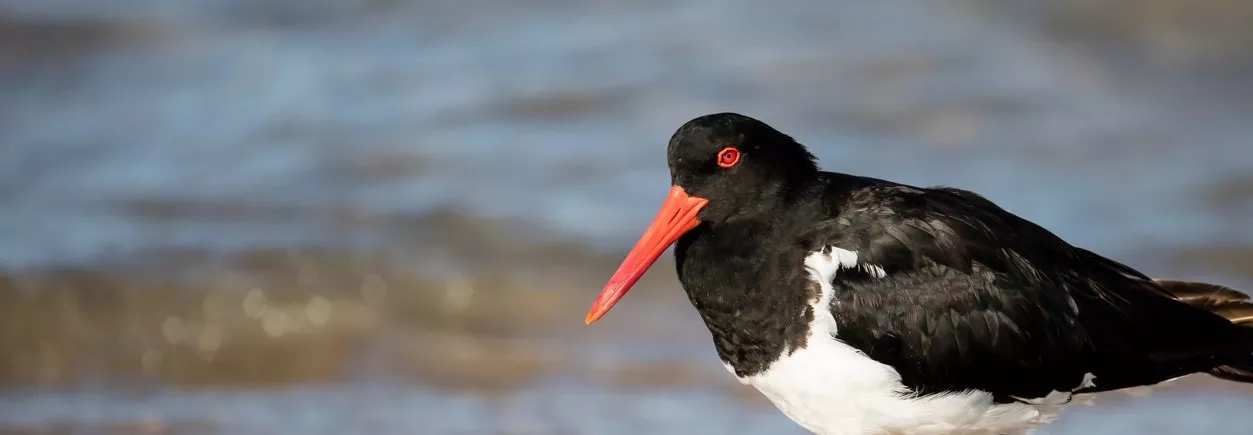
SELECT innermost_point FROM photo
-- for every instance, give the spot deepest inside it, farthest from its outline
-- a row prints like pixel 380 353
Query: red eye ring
pixel 728 157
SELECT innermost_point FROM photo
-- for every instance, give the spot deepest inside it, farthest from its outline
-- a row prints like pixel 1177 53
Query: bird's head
pixel 723 166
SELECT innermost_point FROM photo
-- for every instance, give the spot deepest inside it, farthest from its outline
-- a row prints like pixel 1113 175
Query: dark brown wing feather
pixel 1201 294
pixel 1231 304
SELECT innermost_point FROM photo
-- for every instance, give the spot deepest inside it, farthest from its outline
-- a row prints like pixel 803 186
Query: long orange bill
pixel 677 216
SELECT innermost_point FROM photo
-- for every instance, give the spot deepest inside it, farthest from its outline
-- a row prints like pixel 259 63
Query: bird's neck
pixel 739 276
pixel 747 277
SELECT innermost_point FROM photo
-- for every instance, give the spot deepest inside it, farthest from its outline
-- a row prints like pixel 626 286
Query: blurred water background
pixel 389 216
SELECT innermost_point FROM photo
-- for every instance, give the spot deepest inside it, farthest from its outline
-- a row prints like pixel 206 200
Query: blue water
pixel 558 114
pixel 389 409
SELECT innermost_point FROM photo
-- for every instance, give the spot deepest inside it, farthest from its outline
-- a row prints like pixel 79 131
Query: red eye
pixel 728 157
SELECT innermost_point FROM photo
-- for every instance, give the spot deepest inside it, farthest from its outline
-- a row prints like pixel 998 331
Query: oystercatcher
pixel 863 306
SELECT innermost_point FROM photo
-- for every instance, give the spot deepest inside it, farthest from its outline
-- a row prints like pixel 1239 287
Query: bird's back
pixel 976 297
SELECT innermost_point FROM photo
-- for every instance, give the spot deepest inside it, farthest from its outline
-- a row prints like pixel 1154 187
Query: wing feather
pixel 976 297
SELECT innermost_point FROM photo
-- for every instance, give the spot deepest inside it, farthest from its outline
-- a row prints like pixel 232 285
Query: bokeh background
pixel 390 216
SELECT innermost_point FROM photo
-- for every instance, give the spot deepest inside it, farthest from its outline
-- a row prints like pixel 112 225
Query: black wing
pixel 975 297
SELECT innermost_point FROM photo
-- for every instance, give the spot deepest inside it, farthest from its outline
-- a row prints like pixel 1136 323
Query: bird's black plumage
pixel 978 298
pixel 971 296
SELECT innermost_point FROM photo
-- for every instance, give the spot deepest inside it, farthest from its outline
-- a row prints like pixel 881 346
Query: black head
pixel 722 167
pixel 740 164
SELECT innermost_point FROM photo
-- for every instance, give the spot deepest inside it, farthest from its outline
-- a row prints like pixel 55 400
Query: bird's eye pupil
pixel 728 157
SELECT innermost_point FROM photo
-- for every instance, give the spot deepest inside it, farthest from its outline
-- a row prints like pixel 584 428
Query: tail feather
pixel 1224 301
pixel 1202 294
pixel 1230 304
pixel 1240 315
pixel 1241 373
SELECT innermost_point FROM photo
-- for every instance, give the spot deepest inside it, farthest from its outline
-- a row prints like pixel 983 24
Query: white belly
pixel 831 388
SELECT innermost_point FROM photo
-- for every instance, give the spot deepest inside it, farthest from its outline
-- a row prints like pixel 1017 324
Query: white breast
pixel 832 388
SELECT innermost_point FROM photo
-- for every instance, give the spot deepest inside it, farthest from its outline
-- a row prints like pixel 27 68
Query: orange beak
pixel 677 216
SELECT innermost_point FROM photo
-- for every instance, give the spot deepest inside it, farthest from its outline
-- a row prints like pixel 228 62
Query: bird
pixel 861 306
